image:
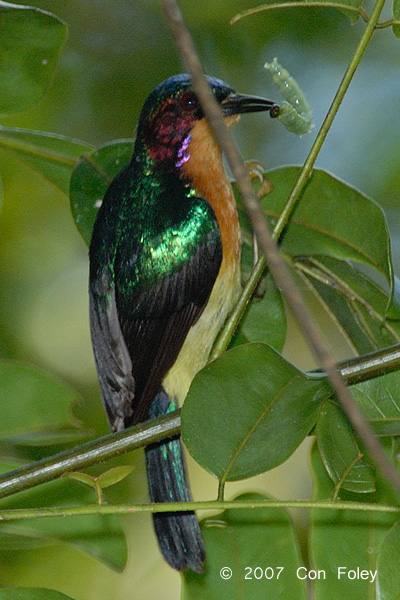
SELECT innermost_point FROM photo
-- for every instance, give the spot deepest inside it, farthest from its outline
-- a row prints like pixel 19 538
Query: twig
pixel 355 370
pixel 88 454
pixel 21 514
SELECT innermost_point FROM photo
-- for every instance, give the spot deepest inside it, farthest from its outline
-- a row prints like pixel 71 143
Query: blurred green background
pixel 117 51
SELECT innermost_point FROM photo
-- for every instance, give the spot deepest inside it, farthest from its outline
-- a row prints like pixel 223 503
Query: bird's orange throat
pixel 207 174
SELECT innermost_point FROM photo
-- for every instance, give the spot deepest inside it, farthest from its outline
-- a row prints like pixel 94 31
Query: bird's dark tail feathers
pixel 179 535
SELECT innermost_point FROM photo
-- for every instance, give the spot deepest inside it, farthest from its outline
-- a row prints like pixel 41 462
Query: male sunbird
pixel 164 274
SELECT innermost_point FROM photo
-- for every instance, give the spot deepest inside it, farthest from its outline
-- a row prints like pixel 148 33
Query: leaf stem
pixel 231 324
pixel 388 23
pixel 128 509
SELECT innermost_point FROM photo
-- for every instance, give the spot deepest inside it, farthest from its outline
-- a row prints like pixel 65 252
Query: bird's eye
pixel 189 102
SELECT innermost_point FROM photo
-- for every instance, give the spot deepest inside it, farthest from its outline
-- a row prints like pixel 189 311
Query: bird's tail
pixel 178 533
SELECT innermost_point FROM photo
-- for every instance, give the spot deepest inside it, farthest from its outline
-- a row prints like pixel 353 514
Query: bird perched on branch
pixel 164 274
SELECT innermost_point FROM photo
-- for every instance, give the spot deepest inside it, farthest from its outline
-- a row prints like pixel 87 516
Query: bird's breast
pixel 207 175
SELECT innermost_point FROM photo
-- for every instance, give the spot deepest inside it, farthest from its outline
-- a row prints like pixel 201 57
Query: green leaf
pixel 114 475
pixel 52 156
pixel 248 411
pixel 28 593
pixel 260 548
pixel 379 400
pixel 84 478
pixel 340 453
pixel 34 408
pixel 265 319
pixel 90 180
pixel 346 539
pixel 396 16
pixel 353 16
pixel 106 479
pixel 331 219
pixel 30 42
pixel 353 300
pixel 389 565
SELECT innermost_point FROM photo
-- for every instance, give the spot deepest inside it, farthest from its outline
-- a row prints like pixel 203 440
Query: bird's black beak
pixel 236 104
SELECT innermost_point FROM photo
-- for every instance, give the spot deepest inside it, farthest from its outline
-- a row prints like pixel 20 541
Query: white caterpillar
pixel 295 114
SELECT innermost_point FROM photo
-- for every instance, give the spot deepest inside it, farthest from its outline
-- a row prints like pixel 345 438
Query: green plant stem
pixel 279 5
pixel 227 332
pixel 128 509
pixel 88 454
pixel 388 23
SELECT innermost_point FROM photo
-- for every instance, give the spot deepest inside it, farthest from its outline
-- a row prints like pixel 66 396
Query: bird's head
pixel 172 110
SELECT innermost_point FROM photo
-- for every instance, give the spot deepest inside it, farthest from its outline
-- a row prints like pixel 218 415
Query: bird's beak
pixel 236 104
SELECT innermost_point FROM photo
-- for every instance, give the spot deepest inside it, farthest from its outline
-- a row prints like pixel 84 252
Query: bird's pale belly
pixel 196 348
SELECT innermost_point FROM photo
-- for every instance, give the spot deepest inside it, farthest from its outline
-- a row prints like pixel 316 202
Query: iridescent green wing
pixel 143 307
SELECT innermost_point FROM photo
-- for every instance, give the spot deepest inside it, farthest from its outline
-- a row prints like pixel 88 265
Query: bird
pixel 164 275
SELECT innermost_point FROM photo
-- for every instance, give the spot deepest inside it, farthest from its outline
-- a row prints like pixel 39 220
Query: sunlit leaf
pixel 332 218
pixel 90 180
pixel 340 453
pixel 248 411
pixel 353 15
pixel 259 546
pixel 84 478
pixel 30 42
pixel 114 475
pixel 52 156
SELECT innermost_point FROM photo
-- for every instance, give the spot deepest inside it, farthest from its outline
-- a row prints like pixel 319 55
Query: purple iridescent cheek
pixel 182 154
